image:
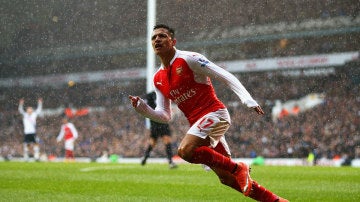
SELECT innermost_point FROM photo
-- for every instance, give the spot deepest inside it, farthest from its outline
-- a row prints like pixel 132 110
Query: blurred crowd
pixel 329 130
pixel 74 29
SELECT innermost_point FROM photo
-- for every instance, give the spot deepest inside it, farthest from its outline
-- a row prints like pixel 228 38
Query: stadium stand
pixel 71 39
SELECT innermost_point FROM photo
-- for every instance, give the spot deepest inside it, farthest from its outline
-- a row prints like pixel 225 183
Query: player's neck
pixel 166 58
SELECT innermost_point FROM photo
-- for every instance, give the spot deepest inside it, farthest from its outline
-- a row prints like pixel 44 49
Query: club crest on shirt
pixel 179 70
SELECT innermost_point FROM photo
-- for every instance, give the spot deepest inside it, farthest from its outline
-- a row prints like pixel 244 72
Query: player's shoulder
pixel 193 58
pixel 189 54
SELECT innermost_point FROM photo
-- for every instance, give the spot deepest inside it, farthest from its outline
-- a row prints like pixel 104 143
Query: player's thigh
pixel 189 143
pixel 152 141
pixel 166 139
pixel 69 144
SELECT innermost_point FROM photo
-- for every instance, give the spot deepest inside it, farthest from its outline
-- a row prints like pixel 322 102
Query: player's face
pixel 162 42
pixel 29 110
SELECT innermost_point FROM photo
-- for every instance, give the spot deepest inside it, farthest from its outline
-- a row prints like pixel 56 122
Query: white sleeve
pixel 162 112
pixel 39 108
pixel 61 134
pixel 200 64
pixel 73 130
pixel 21 109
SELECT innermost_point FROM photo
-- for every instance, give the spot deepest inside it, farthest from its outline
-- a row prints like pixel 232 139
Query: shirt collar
pixel 173 59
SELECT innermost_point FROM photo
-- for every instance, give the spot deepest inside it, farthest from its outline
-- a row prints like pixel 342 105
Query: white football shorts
pixel 69 144
pixel 214 124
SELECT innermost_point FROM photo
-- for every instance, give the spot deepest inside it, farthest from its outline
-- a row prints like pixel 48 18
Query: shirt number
pixel 205 123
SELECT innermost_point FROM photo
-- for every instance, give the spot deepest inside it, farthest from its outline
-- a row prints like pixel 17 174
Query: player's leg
pixel 197 150
pixel 36 149
pixel 69 150
pixel 26 151
pixel 258 192
pixel 225 177
pixel 169 154
pixel 203 134
pixel 34 145
pixel 206 133
pixel 69 155
pixel 26 146
pixel 151 145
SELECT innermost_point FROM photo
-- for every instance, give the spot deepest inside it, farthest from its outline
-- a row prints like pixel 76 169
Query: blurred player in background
pixel 158 130
pixel 29 122
pixel 69 133
pixel 184 78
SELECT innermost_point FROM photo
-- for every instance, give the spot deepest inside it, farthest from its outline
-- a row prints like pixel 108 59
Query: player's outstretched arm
pixel 39 106
pixel 21 106
pixel 140 106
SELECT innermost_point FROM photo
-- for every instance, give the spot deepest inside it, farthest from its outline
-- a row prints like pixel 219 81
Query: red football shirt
pixel 194 98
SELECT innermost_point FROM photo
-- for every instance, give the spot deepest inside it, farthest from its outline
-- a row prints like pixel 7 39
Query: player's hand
pixel 259 110
pixel 40 100
pixel 134 100
pixel 21 101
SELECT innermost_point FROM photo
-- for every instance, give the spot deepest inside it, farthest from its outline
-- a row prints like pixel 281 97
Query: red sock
pixel 211 158
pixel 236 186
pixel 69 154
pixel 259 193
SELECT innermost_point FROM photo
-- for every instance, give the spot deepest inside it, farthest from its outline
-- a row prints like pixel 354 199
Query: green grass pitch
pixel 156 182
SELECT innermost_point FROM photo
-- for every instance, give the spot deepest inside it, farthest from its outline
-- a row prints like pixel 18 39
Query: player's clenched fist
pixel 134 100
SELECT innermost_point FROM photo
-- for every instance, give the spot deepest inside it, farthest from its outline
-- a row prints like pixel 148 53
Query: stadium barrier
pixel 250 161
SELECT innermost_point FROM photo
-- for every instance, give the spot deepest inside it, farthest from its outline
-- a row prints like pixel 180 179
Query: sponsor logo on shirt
pixel 203 62
pixel 181 97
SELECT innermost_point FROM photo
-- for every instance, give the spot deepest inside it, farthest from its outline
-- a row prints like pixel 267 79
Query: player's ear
pixel 174 42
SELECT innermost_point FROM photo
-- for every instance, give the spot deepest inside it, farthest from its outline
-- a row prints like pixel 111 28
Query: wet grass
pixel 156 182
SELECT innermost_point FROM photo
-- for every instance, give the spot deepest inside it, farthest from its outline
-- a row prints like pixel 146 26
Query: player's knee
pixel 185 152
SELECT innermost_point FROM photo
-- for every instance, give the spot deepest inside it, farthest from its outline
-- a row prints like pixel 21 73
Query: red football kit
pixel 68 131
pixel 70 134
pixel 186 82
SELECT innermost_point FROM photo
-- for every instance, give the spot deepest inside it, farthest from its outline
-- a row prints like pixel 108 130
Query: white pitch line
pixel 89 169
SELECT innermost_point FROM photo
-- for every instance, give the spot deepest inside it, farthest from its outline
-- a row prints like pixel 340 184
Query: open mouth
pixel 157 46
